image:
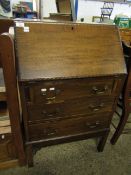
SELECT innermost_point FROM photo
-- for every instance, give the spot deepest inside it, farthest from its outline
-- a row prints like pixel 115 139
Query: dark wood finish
pixel 126 97
pixel 5 24
pixel 9 164
pixel 64 127
pixel 102 142
pixel 4 27
pixel 77 45
pixel 69 89
pixel 69 84
pixel 69 108
pixel 2 87
pixel 29 155
pixel 8 65
pixel 7 148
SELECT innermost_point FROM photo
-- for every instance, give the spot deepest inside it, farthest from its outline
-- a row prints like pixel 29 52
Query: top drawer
pixel 59 90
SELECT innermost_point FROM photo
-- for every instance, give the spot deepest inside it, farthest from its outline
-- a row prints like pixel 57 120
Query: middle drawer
pixel 69 108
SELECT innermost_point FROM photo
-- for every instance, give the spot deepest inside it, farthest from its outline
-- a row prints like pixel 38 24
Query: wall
pixel 34 3
pixel 47 7
pixel 17 1
pixel 87 9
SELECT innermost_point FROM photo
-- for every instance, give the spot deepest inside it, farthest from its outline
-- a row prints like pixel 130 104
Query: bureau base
pixel 34 146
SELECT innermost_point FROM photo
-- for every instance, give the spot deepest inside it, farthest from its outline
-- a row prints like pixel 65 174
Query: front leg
pixel 102 141
pixel 29 156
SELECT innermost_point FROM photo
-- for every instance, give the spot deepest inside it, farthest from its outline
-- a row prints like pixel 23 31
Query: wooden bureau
pixel 70 76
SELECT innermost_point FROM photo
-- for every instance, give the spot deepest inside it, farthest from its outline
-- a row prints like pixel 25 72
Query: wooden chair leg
pixel 102 142
pixel 29 156
pixel 120 127
pixel 101 19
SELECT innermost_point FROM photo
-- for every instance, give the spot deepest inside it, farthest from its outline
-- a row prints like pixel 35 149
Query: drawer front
pixel 56 91
pixel 66 127
pixel 70 108
pixel 7 148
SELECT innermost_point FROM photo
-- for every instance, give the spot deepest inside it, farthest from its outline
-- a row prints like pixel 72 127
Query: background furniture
pixel 64 98
pixel 123 22
pixel 107 10
pixel 11 141
pixel 60 16
pixel 5 24
pixel 63 6
pixel 125 35
pixel 29 15
pixel 125 101
pixel 64 11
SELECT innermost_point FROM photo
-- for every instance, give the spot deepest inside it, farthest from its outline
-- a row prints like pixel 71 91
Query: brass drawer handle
pixel 43 91
pixel 50 98
pixel 96 108
pixel 99 91
pixel 91 126
pixel 50 132
pixel 2 136
pixel 51 114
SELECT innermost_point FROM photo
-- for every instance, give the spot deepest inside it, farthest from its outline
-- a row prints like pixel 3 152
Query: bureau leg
pixel 102 142
pixel 29 156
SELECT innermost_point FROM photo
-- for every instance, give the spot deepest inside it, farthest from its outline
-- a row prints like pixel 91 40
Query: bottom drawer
pixel 65 127
pixel 7 148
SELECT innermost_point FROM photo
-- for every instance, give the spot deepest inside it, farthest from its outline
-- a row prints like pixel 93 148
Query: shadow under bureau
pixel 70 76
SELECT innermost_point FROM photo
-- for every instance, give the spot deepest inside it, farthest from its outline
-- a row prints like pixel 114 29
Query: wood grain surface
pixel 2 87
pixel 68 50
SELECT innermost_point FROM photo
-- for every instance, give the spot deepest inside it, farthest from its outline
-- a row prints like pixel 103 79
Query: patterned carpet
pixel 81 158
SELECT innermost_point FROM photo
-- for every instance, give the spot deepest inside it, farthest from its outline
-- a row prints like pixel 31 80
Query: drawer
pixel 7 148
pixel 70 108
pixel 55 91
pixel 66 127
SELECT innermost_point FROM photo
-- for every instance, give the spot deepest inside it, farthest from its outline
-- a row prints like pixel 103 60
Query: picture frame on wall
pixel 5 8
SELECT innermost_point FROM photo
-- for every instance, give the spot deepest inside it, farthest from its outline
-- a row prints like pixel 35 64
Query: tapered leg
pixel 102 142
pixel 29 154
pixel 120 127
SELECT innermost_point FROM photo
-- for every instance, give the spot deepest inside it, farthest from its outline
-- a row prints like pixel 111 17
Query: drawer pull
pixel 2 136
pixel 52 88
pixel 50 98
pixel 43 91
pixel 96 108
pixel 90 125
pixel 51 114
pixel 93 125
pixel 51 133
pixel 99 91
pixel 97 123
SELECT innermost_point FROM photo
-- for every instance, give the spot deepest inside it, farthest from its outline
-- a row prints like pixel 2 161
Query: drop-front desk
pixel 70 76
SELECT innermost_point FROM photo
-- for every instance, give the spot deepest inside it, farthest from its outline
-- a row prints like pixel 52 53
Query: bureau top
pixel 68 50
